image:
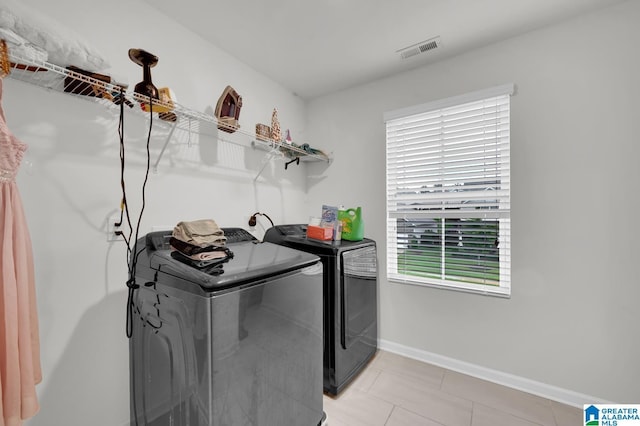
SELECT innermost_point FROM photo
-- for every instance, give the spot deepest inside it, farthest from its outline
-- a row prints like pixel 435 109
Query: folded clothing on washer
pixel 202 233
pixel 207 259
pixel 199 252
pixel 200 244
pixel 211 266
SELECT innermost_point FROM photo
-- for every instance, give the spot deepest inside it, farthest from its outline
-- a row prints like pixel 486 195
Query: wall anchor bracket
pixel 295 160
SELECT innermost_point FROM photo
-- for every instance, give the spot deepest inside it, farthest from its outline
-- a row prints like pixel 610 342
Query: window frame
pixel 502 215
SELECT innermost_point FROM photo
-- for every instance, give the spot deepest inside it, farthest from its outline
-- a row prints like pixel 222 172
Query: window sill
pixel 483 290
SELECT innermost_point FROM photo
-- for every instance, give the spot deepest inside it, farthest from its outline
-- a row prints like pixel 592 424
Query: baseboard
pixel 543 390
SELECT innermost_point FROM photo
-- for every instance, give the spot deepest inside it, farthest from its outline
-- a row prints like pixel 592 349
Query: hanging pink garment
pixel 19 339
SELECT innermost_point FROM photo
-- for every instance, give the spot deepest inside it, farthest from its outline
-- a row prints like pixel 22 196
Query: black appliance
pixel 235 345
pixel 350 281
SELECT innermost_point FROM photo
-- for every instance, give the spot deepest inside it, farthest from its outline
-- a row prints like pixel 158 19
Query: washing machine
pixel 240 344
pixel 350 301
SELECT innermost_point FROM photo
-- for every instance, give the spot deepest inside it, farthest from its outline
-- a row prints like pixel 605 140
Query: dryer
pixel 350 301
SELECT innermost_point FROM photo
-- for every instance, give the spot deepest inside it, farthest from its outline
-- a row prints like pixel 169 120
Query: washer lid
pixel 252 261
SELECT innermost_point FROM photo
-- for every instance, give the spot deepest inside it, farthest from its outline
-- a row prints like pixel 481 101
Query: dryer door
pixel 358 295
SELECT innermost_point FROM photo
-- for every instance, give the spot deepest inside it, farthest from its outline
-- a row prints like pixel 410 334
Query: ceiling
pixel 316 47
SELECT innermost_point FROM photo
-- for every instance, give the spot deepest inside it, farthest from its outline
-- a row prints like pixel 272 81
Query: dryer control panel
pixel 291 229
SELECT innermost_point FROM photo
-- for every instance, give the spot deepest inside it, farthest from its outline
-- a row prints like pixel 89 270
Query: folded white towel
pixel 63 46
pixel 22 48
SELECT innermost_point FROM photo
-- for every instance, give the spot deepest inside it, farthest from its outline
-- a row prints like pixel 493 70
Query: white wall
pixel 572 320
pixel 70 185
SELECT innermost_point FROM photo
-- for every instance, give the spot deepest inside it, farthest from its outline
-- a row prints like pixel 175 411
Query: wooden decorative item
pixel 276 134
pixel 167 99
pixel 164 103
pixel 5 64
pixel 263 132
pixel 228 110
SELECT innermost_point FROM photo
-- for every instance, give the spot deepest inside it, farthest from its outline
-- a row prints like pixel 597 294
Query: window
pixel 448 193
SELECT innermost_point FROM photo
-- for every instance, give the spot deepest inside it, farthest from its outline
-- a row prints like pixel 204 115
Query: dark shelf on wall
pixel 93 87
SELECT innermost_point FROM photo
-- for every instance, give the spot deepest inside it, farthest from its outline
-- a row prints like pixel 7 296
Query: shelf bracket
pixel 155 166
pixel 265 160
pixel 295 160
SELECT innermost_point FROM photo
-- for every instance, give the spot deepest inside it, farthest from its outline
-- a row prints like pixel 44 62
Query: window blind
pixel 448 192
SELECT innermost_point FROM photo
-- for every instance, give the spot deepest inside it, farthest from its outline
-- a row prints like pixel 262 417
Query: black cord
pixel 146 178
pixel 133 254
pixel 124 207
pixel 123 202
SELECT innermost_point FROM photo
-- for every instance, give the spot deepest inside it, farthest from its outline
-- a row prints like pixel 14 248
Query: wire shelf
pixel 112 94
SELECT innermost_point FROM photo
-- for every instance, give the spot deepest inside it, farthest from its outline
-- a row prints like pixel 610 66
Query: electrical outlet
pixel 112 229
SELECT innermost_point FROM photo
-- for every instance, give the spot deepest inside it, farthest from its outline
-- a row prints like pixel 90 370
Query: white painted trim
pixel 543 390
pixel 505 89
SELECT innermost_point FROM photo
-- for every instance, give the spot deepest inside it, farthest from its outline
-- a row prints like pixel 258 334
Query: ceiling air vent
pixel 421 47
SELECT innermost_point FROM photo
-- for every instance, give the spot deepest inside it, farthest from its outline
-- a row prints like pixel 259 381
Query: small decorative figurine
pixel 228 110
pixel 275 126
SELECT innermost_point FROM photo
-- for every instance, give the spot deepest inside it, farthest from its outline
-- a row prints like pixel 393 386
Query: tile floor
pixel 398 391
